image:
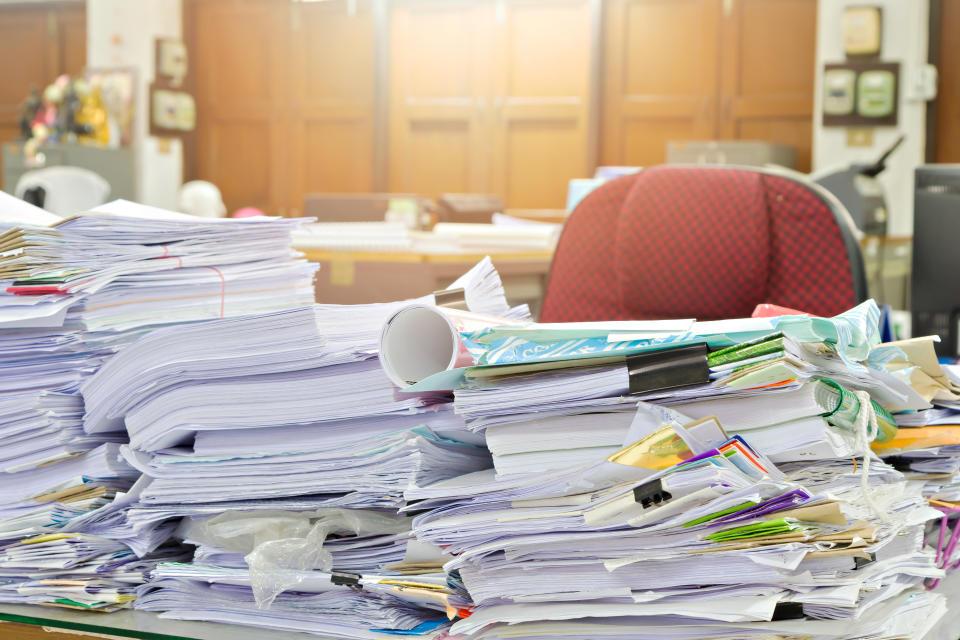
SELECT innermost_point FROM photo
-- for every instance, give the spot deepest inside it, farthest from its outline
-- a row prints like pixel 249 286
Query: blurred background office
pixel 411 118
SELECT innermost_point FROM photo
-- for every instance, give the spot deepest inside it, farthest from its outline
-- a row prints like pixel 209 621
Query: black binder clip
pixel 451 298
pixel 859 563
pixel 650 494
pixel 344 579
pixel 787 611
pixel 900 463
pixel 668 368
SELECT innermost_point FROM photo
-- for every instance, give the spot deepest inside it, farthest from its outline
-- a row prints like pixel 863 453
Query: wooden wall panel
pixel 440 81
pixel 331 120
pixel 948 93
pixel 704 70
pixel 483 95
pixel 72 27
pixel 769 59
pixel 542 100
pixel 241 69
pixel 660 77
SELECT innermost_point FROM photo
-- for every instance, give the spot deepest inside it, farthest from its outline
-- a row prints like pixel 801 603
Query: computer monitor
pixel 935 284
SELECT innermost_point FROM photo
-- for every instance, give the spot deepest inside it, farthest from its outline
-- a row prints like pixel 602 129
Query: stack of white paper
pixel 661 527
pixel 267 419
pixel 73 293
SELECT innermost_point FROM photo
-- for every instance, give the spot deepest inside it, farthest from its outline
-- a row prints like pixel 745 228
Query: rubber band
pixel 223 289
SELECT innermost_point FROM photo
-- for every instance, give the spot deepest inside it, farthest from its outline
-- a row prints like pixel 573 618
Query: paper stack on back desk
pixel 74 293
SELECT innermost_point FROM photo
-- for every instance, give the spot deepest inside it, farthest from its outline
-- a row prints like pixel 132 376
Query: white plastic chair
pixel 203 199
pixel 67 190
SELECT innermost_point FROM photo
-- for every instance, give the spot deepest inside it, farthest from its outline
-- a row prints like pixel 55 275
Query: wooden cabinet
pixel 491 96
pixel 660 77
pixel 501 96
pixel 285 98
pixel 331 114
pixel 440 96
pixel 707 69
pixel 542 100
pixel 947 105
pixel 37 44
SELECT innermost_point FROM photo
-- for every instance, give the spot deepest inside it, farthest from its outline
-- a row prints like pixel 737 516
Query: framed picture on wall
pixel 862 31
pixel 861 94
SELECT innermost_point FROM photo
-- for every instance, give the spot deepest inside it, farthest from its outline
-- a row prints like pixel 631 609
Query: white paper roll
pixel 421 340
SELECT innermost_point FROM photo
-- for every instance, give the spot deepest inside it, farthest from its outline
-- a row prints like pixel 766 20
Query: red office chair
pixel 706 243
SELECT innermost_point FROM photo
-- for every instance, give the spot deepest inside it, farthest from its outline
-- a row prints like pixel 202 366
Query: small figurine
pixel 28 112
pixel 91 116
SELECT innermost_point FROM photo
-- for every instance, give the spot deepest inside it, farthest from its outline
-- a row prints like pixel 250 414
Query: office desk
pixel 29 622
pixel 351 277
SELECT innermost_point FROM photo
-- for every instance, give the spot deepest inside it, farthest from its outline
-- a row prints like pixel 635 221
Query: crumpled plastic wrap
pixel 282 547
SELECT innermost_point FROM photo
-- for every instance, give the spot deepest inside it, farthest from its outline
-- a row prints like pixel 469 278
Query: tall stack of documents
pixel 283 450
pixel 188 434
pixel 927 446
pixel 74 292
pixel 731 491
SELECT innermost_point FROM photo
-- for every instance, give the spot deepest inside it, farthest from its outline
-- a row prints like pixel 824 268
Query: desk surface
pixel 326 255
pixel 134 624
pixel 358 277
pixel 148 626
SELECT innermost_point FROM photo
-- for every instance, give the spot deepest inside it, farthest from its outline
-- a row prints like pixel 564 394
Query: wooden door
pixel 440 87
pixel 660 77
pixel 72 38
pixel 948 92
pixel 333 74
pixel 768 49
pixel 240 58
pixel 36 44
pixel 543 62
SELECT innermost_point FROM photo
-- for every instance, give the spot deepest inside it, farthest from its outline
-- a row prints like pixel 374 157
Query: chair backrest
pixel 66 190
pixel 706 243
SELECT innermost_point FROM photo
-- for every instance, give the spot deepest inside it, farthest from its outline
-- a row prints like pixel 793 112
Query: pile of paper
pixel 927 446
pixel 188 433
pixel 75 292
pixel 279 447
pixel 664 525
pixel 444 238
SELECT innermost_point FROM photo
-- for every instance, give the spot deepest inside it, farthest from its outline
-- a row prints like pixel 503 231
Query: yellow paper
pixel 660 450
pixel 919 438
pixel 48 537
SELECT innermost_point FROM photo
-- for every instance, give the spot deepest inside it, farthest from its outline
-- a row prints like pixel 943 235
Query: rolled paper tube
pixel 422 340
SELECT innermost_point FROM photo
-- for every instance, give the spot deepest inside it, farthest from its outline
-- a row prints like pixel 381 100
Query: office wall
pixel 905 40
pixel 121 33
